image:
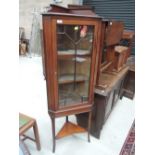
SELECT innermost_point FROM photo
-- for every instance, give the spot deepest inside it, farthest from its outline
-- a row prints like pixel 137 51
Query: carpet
pixel 129 144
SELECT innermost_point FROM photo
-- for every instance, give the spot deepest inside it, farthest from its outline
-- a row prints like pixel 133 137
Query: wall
pixel 26 8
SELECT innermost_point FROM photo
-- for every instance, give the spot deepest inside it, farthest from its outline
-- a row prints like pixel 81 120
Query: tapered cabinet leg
pixel 89 125
pixel 53 133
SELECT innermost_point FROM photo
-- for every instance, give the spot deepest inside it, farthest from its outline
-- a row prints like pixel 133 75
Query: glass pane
pixel 74 47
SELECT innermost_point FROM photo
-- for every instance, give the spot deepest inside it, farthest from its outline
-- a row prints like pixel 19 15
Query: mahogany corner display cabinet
pixel 71 50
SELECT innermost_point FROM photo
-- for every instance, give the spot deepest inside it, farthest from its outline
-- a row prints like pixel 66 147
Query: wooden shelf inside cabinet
pixel 69 78
pixel 71 54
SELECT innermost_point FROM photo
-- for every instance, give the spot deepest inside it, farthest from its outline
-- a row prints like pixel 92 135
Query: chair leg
pixel 53 132
pixel 89 124
pixel 36 134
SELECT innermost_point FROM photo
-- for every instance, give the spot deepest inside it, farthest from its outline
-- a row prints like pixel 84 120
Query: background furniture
pixel 128 89
pixel 25 123
pixel 127 40
pixel 107 93
pixel 114 55
pixel 71 51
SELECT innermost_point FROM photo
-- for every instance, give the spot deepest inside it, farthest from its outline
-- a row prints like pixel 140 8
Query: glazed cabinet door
pixel 74 62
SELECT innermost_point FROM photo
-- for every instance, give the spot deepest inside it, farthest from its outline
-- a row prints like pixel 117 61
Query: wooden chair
pixel 25 123
pixel 127 41
pixel 116 55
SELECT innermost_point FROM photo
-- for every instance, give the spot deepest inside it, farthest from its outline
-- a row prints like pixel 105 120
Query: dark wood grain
pixel 114 32
pixel 107 93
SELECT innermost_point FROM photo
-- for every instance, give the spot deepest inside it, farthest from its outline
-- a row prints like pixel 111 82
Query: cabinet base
pixel 69 129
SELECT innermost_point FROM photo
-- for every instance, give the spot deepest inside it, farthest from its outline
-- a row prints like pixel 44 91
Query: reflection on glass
pixel 74 47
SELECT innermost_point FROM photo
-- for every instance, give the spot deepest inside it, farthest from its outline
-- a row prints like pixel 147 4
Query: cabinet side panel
pixel 49 62
pixel 101 37
pixel 94 62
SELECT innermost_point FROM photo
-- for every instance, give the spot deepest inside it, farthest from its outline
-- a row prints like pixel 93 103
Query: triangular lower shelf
pixel 69 129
